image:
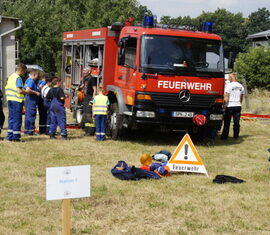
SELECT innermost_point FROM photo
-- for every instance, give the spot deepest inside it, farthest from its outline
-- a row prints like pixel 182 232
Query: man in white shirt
pixel 233 98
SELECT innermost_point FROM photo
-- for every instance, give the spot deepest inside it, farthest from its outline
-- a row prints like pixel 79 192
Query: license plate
pixel 183 114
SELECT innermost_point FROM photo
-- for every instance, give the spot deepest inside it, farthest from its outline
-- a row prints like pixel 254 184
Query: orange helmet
pixel 146 159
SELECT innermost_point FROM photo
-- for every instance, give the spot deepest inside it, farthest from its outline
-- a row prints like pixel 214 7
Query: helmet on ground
pixel 146 159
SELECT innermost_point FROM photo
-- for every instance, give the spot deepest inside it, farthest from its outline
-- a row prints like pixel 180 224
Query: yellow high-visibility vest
pixel 100 105
pixel 12 90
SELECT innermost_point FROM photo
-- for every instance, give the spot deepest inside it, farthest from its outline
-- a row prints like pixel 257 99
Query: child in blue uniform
pixel 2 116
pixel 31 101
pixel 57 110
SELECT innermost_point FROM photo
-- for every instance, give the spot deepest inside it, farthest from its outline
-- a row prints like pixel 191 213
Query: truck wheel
pixel 79 117
pixel 115 122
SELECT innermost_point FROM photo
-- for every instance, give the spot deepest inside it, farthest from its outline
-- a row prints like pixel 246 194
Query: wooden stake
pixel 66 222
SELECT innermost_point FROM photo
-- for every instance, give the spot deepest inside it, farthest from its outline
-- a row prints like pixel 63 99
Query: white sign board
pixel 67 182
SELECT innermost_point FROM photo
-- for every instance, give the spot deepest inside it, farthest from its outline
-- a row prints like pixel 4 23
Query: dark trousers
pixel 58 117
pixel 100 127
pixel 14 120
pixel 230 112
pixel 2 117
pixel 30 115
pixel 42 116
pixel 47 105
pixel 87 113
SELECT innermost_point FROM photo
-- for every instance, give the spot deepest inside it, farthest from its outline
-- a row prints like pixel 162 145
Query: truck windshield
pixel 180 54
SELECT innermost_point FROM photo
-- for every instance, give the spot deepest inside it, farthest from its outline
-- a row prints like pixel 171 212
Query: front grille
pixel 169 99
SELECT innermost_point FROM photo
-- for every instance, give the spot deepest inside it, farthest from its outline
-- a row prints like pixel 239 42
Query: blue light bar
pixel 205 112
pixel 207 26
pixel 148 21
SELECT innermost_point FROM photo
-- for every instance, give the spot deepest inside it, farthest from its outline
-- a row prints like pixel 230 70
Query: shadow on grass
pixel 173 138
pixel 46 137
pixel 230 140
pixel 153 138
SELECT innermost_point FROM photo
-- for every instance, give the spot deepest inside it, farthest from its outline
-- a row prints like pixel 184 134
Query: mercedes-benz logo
pixel 184 96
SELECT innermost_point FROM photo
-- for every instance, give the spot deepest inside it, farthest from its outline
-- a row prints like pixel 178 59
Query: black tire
pixel 115 127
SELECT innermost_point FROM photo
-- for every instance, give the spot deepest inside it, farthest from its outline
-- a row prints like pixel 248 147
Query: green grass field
pixel 180 204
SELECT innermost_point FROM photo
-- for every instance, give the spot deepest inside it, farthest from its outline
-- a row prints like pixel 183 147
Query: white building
pixel 260 39
pixel 8 47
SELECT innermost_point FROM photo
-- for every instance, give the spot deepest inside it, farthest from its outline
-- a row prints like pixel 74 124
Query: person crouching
pixel 100 107
pixel 57 110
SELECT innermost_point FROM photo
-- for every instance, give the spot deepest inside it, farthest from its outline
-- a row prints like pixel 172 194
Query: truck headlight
pixel 216 116
pixel 144 97
pixel 145 114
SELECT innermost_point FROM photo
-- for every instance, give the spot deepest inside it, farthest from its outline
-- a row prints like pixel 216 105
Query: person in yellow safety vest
pixel 15 97
pixel 100 108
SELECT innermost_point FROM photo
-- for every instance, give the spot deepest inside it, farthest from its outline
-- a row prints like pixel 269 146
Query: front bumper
pixel 163 106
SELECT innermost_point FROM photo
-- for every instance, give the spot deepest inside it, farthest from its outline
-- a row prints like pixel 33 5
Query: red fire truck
pixel 154 75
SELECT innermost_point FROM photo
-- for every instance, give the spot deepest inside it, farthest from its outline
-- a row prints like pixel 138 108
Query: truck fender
pixel 120 98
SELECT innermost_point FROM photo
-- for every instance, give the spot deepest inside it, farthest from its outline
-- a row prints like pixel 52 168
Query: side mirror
pixel 122 42
pixel 121 56
pixel 231 60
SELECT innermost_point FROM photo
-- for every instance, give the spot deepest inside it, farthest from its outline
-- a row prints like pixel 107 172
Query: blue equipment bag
pixel 124 172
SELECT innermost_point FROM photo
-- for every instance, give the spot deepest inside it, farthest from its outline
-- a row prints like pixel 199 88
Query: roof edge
pixel 8 17
pixel 262 34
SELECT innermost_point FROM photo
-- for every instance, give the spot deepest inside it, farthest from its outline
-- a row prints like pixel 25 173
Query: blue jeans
pixel 100 127
pixel 14 120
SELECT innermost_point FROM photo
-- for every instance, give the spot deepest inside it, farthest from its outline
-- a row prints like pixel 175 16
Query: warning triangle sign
pixel 186 158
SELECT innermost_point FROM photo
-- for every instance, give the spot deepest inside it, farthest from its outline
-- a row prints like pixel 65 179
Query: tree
pixel 231 27
pixel 180 21
pixel 254 66
pixel 103 13
pixel 44 21
pixel 258 21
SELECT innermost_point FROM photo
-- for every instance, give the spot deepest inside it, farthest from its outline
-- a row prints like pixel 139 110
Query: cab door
pixel 126 75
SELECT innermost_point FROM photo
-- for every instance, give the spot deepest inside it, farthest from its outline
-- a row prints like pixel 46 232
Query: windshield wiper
pixel 165 69
pixel 170 72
